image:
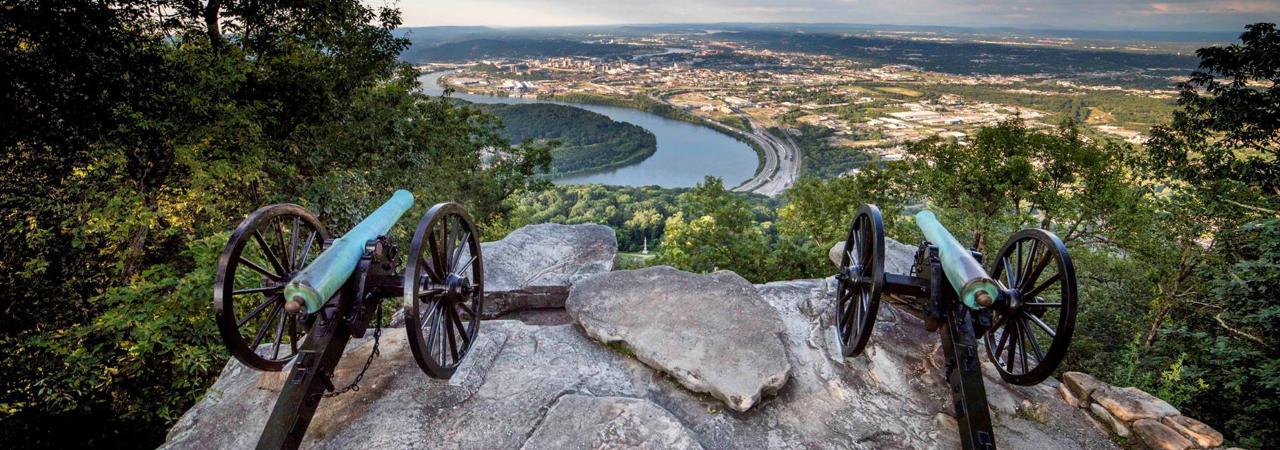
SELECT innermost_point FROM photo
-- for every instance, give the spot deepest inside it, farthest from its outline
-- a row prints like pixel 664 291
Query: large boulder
pixel 898 257
pixel 509 389
pixel 712 333
pixel 534 266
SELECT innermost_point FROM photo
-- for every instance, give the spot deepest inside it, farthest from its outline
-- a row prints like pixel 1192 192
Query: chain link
pixel 355 384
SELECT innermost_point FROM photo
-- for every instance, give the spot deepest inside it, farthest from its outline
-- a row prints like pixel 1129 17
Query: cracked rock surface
pixel 534 266
pixel 712 333
pixel 522 381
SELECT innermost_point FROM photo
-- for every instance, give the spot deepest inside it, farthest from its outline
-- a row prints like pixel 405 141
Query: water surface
pixel 686 153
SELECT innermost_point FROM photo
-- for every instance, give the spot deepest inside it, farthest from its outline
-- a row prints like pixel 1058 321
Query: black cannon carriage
pixel 284 291
pixel 1023 309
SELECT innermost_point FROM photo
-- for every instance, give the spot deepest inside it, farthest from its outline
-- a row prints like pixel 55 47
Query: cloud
pixel 1078 14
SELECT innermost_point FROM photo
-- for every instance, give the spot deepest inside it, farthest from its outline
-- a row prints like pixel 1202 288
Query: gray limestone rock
pixel 898 257
pixel 712 333
pixel 509 388
pixel 534 266
pixel 586 422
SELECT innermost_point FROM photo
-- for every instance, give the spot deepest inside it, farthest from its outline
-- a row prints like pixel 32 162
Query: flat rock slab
pixel 1195 430
pixel 534 266
pixel 1129 404
pixel 712 333
pixel 1157 436
pixel 1081 386
pixel 585 422
pixel 508 387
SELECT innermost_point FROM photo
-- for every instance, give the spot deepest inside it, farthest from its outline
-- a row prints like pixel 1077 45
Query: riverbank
pixel 689 149
pixel 651 106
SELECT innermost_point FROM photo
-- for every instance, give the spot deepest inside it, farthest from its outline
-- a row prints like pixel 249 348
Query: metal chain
pixel 355 384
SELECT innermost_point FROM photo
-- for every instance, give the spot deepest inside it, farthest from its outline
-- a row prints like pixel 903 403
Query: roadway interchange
pixel 781 164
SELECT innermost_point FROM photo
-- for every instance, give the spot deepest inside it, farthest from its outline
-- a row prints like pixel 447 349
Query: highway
pixel 781 164
pixel 781 156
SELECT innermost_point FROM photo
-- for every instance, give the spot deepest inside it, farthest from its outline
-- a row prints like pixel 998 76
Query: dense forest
pixel 585 141
pixel 137 135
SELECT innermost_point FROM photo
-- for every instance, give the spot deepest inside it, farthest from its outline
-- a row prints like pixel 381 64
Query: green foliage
pixel 737 122
pixel 821 158
pixel 588 141
pixel 136 137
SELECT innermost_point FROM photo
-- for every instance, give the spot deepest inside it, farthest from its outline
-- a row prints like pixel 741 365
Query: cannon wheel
pixel 264 252
pixel 861 280
pixel 443 289
pixel 1039 281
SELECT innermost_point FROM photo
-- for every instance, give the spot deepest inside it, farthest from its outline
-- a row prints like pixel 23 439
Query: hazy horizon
pixel 1081 15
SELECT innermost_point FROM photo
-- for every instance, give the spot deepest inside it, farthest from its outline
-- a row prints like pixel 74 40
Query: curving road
pixel 781 164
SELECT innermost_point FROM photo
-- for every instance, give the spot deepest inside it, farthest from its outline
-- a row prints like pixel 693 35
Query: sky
pixel 1165 15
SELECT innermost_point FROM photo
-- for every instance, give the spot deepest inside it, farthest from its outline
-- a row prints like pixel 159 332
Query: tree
pixel 138 133
pixel 1217 167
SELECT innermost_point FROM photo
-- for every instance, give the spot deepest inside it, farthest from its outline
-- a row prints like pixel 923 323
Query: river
pixel 686 152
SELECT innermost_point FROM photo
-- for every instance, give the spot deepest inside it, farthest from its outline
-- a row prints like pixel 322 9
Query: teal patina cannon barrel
pixel 315 284
pixel 970 280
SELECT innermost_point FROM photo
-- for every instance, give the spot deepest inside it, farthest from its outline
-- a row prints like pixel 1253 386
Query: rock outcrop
pixel 898 257
pixel 1132 413
pixel 554 386
pixel 712 333
pixel 533 267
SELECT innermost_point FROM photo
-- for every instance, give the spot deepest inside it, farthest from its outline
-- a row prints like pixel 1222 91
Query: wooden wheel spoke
pixel 467 309
pixel 279 334
pixel 1012 328
pixel 1038 289
pixel 306 250
pixel 270 254
pixel 1027 276
pixel 1042 305
pixel 443 330
pixel 437 264
pixel 1022 347
pixel 464 267
pixel 453 341
pixel 457 253
pixel 1008 272
pixel 258 310
pixel 1034 275
pixel 1003 340
pixel 1035 342
pixel 1043 326
pixel 262 330
pixel 257 290
pixel 259 269
pixel 457 325
pixel 293 245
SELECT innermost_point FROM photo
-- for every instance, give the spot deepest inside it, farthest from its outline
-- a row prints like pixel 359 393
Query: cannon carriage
pixel 286 292
pixel 1023 309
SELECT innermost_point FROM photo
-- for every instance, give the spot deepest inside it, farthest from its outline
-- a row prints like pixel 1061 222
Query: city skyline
pixel 1175 15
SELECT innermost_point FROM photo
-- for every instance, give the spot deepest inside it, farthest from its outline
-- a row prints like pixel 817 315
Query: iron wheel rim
pixel 443 289
pixel 860 284
pixel 291 237
pixel 1034 270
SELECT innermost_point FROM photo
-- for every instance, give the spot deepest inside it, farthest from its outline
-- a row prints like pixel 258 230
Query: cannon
pixel 1023 308
pixel 284 291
